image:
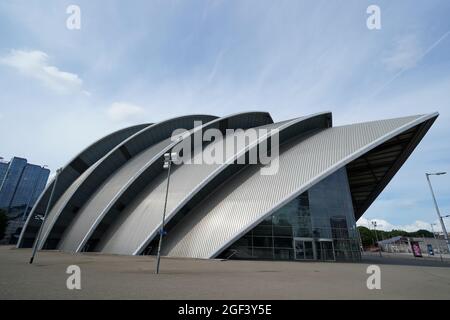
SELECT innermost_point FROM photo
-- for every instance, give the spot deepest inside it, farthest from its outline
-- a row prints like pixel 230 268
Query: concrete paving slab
pixel 132 277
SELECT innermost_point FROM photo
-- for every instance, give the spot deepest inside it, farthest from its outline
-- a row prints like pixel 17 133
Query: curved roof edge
pixel 331 170
pixel 286 131
pixel 157 167
pixel 404 154
pixel 96 151
pixel 109 157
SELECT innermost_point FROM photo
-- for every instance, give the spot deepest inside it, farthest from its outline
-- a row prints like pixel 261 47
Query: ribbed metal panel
pixel 87 157
pixel 82 191
pixel 242 120
pixel 139 223
pixel 91 215
pixel 53 214
pixel 249 197
pixel 100 200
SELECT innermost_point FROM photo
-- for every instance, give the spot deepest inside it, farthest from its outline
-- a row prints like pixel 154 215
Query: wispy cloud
pixel 405 54
pixel 216 66
pixel 124 111
pixel 221 57
pixel 35 64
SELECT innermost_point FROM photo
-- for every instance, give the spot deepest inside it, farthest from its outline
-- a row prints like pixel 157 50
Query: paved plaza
pixel 132 277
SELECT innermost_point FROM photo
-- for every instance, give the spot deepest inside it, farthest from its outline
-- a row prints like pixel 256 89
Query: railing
pixel 233 252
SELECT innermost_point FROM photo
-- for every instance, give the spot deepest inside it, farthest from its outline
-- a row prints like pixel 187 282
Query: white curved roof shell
pixel 250 197
pixel 115 204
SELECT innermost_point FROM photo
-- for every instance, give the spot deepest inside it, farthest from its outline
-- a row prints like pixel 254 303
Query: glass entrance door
pixel 304 249
pixel 314 249
pixel 325 250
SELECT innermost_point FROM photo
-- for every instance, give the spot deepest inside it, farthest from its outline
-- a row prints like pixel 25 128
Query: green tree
pixel 367 236
pixel 422 233
pixel 3 223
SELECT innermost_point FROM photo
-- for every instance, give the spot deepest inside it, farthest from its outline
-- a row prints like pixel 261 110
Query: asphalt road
pixel 125 277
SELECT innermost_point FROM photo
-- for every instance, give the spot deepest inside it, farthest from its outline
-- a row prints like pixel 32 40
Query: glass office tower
pixel 21 184
pixel 319 224
pixel 3 168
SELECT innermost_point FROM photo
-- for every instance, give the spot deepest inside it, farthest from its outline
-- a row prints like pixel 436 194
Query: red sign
pixel 416 249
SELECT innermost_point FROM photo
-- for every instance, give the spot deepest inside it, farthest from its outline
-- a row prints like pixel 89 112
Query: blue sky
pixel 145 61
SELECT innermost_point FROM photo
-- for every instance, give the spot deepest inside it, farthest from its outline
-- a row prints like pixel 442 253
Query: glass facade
pixel 3 168
pixel 319 224
pixel 21 184
pixel 10 181
pixel 30 186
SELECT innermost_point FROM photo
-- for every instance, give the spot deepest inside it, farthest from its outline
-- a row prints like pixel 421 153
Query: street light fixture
pixel 436 205
pixel 168 159
pixel 36 243
pixel 374 224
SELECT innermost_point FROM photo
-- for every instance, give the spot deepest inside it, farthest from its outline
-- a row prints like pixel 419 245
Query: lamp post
pixel 434 235
pixel 361 247
pixel 374 224
pixel 168 159
pixel 436 205
pixel 36 243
